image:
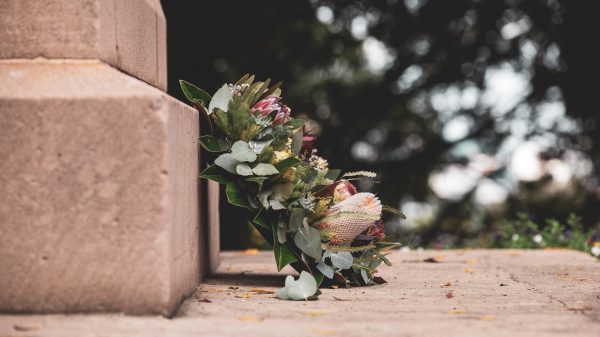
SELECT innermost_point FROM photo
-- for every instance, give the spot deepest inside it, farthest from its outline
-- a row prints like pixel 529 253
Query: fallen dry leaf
pixel 439 257
pixel 515 254
pixel 20 327
pixel 205 300
pixel 445 285
pixel 579 309
pixel 431 260
pixel 315 313
pixel 457 311
pixel 251 251
pixel 471 262
pixel 261 291
pixel 244 296
pixel 341 299
pixel 468 270
pixel 449 295
pixel 249 318
pixel 234 288
pixel 486 318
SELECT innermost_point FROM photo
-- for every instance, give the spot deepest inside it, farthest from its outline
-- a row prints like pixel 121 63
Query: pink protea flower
pixel 271 104
pixel 343 190
pixel 266 105
pixel 348 218
pixel 376 229
pixel 282 115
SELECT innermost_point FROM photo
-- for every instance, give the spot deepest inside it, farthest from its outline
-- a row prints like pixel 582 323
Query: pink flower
pixel 346 219
pixel 376 229
pixel 282 115
pixel 343 190
pixel 271 104
pixel 266 105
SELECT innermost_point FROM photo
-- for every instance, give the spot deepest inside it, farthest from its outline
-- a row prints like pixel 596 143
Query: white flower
pixel 596 251
pixel 515 237
pixel 538 238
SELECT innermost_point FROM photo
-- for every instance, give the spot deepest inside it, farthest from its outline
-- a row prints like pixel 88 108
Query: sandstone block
pixel 99 207
pixel 128 34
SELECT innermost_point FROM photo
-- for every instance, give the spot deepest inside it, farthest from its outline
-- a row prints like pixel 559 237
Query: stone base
pixel 98 191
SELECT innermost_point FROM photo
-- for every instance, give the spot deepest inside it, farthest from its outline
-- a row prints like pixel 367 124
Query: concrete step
pixel 99 201
pixel 493 293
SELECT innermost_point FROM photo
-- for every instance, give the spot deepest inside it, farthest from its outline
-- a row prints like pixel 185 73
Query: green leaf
pixel 298 290
pixel 227 162
pixel 297 140
pixel 286 163
pixel 333 174
pixel 194 94
pixel 295 123
pixel 236 197
pixel 220 99
pixel 263 169
pixel 394 211
pixel 262 220
pixel 308 239
pixel 216 173
pixel 283 255
pixel 257 180
pixel 212 144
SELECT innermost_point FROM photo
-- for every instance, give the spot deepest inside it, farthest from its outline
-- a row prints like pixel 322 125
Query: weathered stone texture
pixel 98 191
pixel 128 34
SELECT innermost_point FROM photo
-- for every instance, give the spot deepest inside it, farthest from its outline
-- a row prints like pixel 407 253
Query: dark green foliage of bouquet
pixel 313 216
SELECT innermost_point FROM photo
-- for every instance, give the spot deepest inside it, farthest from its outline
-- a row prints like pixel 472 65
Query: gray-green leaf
pixel 263 169
pixel 243 170
pixel 227 162
pixel 341 260
pixel 308 240
pixel 242 151
pixel 298 290
pixel 258 146
pixel 296 219
pixel 220 99
pixel 325 269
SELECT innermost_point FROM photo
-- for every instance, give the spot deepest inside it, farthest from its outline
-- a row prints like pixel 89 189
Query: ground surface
pixel 466 293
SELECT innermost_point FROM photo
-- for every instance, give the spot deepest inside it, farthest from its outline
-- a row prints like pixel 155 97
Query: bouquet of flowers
pixel 313 216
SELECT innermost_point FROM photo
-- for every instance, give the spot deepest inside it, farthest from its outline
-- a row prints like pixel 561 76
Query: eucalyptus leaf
pixel 298 290
pixel 243 170
pixel 263 169
pixel 227 162
pixel 241 151
pixel 263 197
pixel 258 146
pixel 282 232
pixel 333 174
pixel 341 260
pixel 364 276
pixel 276 205
pixel 308 240
pixel 283 255
pixel 297 141
pixel 296 218
pixel 325 269
pixel 220 99
pixel 286 163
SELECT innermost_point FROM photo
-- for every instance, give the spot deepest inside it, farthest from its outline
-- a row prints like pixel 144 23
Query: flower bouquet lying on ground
pixel 313 216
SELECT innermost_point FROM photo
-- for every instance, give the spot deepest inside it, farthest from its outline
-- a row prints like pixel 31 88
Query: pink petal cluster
pixel 271 104
pixel 376 229
pixel 346 219
pixel 343 190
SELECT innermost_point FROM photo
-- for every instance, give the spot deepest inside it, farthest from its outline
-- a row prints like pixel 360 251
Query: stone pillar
pixel 99 198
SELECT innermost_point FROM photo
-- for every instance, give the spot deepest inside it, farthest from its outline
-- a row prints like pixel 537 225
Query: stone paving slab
pixel 494 293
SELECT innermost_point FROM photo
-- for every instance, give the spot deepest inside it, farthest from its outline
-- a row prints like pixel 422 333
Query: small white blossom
pixel 596 251
pixel 515 237
pixel 538 238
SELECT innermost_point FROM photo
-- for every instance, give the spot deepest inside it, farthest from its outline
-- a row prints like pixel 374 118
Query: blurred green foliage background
pixel 470 111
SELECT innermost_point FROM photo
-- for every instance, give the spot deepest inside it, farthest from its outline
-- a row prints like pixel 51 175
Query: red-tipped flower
pixel 271 104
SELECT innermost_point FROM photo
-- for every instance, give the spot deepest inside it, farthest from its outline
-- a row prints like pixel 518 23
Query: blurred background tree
pixel 470 111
